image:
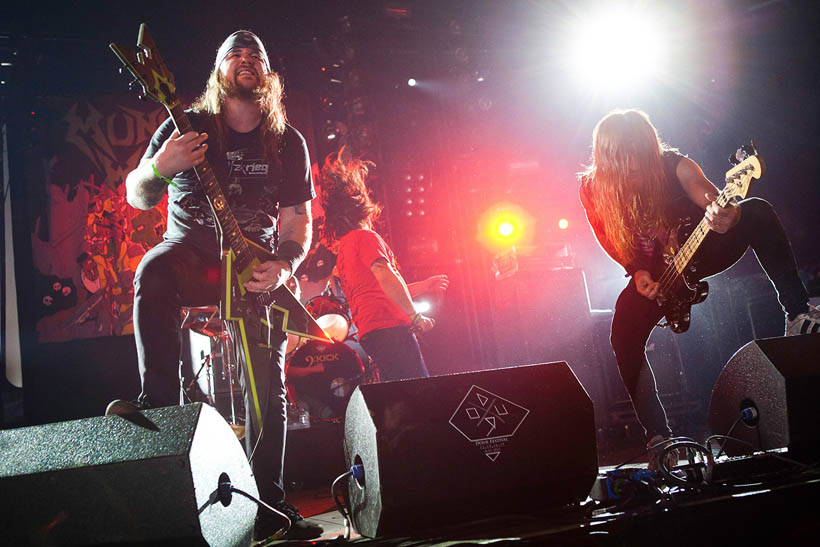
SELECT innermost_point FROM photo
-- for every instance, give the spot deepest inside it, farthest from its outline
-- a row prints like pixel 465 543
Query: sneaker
pixel 805 323
pixel 655 447
pixel 121 407
pixel 268 524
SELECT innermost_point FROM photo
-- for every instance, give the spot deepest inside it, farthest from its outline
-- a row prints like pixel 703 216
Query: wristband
pixel 414 318
pixel 291 252
pixel 161 177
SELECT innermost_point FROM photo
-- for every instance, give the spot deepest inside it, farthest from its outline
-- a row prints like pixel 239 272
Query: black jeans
pixel 172 275
pixel 636 316
pixel 396 352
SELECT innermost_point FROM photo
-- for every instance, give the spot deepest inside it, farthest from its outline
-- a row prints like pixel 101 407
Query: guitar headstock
pixel 149 70
pixel 748 165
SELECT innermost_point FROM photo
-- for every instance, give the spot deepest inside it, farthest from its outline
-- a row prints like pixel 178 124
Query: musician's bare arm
pixel 295 233
pixel 436 283
pixel 296 225
pixel 701 191
pixel 396 290
pixel 144 190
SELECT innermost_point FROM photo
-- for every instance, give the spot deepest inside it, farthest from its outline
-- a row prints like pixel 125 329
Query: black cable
pixel 223 494
pixel 729 435
pixel 649 448
pixel 340 505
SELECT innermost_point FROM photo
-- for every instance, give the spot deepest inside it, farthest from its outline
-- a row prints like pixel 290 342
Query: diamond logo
pixel 487 420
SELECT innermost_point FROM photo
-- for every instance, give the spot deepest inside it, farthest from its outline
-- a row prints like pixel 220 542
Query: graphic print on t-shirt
pixel 248 192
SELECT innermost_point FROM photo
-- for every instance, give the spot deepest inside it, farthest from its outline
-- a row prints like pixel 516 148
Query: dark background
pixel 739 70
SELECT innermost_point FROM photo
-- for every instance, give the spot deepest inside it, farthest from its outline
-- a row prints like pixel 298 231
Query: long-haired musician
pixel 635 190
pixel 262 163
pixel 381 303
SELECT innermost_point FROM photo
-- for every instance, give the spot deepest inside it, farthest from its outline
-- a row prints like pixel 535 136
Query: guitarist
pixel 634 192
pixel 263 166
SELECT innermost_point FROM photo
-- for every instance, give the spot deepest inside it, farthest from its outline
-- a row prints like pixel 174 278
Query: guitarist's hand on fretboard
pixel 180 153
pixel 268 275
pixel 721 219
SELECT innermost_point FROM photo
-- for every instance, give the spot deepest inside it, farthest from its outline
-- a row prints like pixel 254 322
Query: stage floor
pixel 762 500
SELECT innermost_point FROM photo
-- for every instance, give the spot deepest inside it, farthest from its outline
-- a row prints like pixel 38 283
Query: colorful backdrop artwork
pixel 87 241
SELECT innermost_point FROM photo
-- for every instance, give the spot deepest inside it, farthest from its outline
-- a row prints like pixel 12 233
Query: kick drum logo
pixel 487 420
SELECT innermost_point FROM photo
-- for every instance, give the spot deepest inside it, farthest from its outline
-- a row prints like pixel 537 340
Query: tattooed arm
pixel 295 232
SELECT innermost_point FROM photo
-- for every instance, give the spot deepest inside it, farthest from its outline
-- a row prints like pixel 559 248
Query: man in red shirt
pixel 381 303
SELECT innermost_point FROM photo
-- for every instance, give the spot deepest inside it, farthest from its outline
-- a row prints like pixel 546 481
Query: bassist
pixel 634 193
pixel 239 126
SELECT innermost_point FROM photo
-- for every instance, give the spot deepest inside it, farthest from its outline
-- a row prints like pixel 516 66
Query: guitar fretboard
pixel 687 250
pixel 230 228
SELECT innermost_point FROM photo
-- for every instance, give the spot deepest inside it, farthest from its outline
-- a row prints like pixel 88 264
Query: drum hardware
pixel 205 320
pixel 321 376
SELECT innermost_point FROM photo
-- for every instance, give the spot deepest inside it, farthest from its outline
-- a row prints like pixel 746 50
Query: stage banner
pixel 86 240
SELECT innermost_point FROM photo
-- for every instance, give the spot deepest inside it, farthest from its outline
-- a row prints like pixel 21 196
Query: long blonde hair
pixel 626 181
pixel 269 97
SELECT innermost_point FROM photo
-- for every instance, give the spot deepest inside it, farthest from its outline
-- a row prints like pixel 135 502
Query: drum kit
pixel 319 376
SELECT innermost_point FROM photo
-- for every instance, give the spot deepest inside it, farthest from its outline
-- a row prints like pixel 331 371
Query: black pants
pixel 636 316
pixel 172 275
pixel 396 352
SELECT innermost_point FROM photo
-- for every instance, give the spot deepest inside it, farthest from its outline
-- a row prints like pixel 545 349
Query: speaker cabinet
pixel 780 379
pixel 467 446
pixel 138 480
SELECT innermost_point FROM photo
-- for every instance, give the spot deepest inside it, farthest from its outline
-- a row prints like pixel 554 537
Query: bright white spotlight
pixel 412 82
pixel 616 48
pixel 421 306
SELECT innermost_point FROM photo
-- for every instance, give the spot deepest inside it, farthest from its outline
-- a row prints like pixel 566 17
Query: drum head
pixel 321 376
pixel 335 325
pixel 332 314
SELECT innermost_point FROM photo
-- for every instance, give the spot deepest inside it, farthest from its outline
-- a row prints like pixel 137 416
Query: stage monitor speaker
pixel 141 479
pixel 463 447
pixel 779 378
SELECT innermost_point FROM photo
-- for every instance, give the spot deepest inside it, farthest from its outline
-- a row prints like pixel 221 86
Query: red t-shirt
pixel 370 307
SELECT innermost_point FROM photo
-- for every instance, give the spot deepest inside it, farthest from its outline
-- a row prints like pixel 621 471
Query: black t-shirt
pixel 254 186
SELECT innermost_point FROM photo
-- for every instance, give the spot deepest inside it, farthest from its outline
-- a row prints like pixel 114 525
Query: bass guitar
pixel 680 286
pixel 253 313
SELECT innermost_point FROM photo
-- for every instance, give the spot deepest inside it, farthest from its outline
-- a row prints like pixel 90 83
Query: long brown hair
pixel 269 97
pixel 625 180
pixel 345 197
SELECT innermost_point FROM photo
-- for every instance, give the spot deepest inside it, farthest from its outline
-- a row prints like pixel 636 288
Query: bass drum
pixel 321 376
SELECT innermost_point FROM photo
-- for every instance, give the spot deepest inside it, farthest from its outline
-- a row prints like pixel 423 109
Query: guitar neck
pixel 213 190
pixel 687 250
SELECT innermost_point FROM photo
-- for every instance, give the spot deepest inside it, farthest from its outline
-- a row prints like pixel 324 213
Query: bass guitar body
pixel 684 290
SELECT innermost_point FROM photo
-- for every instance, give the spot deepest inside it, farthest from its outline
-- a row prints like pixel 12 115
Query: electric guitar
pixel 680 286
pixel 258 311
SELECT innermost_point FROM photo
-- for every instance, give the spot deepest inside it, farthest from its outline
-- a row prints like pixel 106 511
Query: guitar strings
pixel 671 274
